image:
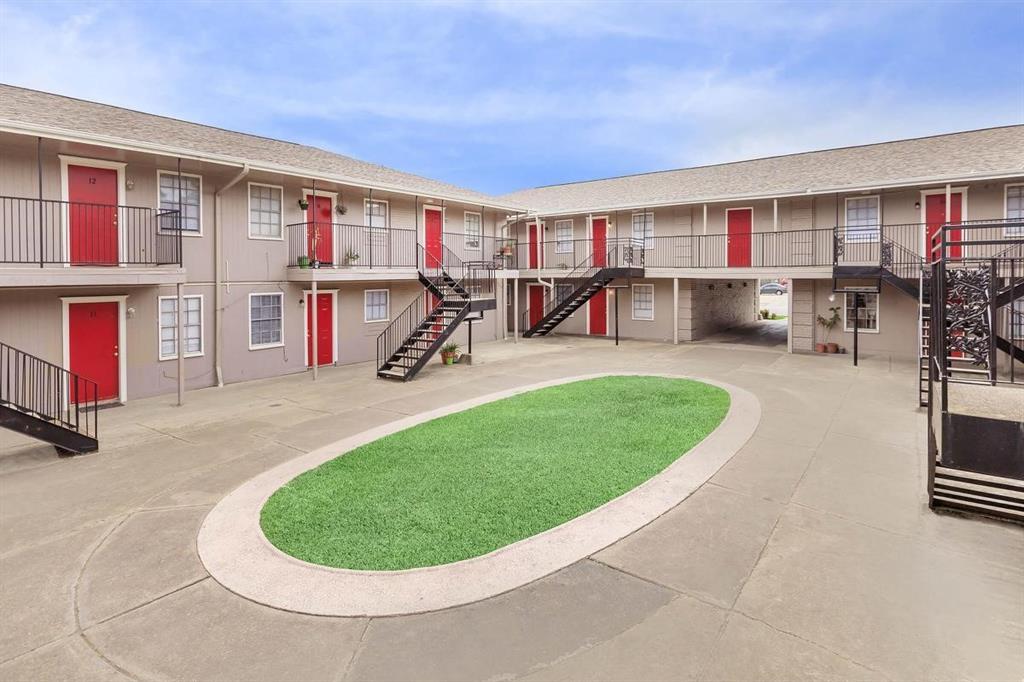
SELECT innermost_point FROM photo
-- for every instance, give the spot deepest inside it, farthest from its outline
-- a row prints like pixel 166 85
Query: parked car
pixel 773 288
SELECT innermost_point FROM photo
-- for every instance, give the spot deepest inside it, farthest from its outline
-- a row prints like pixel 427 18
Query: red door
pixel 320 216
pixel 324 330
pixel 534 246
pixel 92 215
pixel 935 218
pixel 599 313
pixel 536 303
pixel 433 236
pixel 93 347
pixel 740 222
pixel 599 234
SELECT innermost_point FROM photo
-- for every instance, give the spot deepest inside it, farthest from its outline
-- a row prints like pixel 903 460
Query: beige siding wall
pixel 897 327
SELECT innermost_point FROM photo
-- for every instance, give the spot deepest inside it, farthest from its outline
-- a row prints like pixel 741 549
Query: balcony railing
pixel 52 232
pixel 335 245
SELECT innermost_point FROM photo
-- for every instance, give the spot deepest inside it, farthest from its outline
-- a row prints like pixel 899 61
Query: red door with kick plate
pixel 536 303
pixel 93 348
pixel 324 330
pixel 92 215
pixel 433 238
pixel 935 218
pixel 320 216
pixel 534 241
pixel 598 305
pixel 740 222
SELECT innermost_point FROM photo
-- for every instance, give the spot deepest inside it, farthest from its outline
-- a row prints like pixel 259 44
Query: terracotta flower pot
pixel 833 347
pixel 819 348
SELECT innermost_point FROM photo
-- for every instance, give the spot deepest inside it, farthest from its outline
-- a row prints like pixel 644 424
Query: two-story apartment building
pixel 105 213
pixel 112 221
pixel 817 219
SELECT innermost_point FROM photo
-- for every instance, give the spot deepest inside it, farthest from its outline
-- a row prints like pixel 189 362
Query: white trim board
pixel 65 220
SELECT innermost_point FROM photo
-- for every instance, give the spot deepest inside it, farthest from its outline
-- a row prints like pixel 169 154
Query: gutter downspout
pixel 218 296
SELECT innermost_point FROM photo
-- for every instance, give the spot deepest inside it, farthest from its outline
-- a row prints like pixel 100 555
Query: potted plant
pixel 351 257
pixel 341 209
pixel 828 324
pixel 303 204
pixel 448 353
pixel 303 262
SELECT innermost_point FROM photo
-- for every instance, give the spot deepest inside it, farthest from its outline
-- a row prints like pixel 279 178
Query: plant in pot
pixel 303 204
pixel 303 262
pixel 448 353
pixel 351 257
pixel 828 324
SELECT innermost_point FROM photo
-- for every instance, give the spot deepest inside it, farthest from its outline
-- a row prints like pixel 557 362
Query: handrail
pixel 47 391
pixel 56 232
pixel 322 244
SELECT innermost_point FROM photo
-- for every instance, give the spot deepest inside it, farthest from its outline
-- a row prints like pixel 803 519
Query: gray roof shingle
pixel 34 108
pixel 955 155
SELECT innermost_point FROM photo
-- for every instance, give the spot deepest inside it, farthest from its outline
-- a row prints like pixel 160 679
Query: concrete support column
pixel 675 310
pixel 181 344
pixel 312 314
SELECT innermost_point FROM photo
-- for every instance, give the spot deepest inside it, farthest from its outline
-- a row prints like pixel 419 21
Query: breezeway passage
pixel 468 483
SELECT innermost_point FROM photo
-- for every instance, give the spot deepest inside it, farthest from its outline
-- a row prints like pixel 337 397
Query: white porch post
pixel 705 218
pixel 181 344
pixel 675 310
pixel 775 215
pixel 515 310
pixel 312 314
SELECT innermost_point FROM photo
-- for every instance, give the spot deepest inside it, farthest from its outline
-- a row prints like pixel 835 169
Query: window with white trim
pixel 866 313
pixel 862 219
pixel 563 236
pixel 188 199
pixel 265 211
pixel 265 316
pixel 193 323
pixel 643 301
pixel 1015 209
pixel 643 228
pixel 375 213
pixel 472 230
pixel 375 305
pixel 1017 319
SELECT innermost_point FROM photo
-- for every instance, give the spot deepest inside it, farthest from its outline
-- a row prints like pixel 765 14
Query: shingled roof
pixel 21 107
pixel 956 156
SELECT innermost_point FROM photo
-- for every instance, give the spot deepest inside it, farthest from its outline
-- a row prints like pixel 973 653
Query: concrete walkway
pixel 810 555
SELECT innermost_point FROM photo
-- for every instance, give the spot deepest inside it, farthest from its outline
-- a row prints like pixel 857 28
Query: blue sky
pixel 498 96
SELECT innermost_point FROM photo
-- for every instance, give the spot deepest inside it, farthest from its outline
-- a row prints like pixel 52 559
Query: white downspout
pixel 218 303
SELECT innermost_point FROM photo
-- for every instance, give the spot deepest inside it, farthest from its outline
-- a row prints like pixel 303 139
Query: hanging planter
pixel 341 209
pixel 303 204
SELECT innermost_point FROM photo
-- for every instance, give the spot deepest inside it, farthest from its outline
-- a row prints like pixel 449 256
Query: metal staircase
pixel 47 402
pixel 622 258
pixel 453 290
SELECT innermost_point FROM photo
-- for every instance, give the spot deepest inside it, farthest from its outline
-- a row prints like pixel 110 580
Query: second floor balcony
pixel 52 242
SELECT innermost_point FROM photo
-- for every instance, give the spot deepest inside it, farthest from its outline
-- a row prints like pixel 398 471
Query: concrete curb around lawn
pixel 234 550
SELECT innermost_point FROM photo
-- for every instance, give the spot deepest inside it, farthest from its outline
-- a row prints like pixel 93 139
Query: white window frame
pixel 184 232
pixel 248 331
pixel 847 327
pixel 280 217
pixel 465 231
pixel 566 243
pixel 573 313
pixel 159 327
pixel 387 305
pixel 1016 327
pixel 1006 209
pixel 632 302
pixel 368 219
pixel 862 237
pixel 648 240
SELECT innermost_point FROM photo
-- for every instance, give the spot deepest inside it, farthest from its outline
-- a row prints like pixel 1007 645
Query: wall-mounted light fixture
pixel 129 184
pixel 917 205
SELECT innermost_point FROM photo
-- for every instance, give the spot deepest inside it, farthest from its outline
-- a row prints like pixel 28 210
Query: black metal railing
pixel 400 329
pixel 867 244
pixel 618 253
pixel 52 232
pixel 500 251
pixel 47 391
pixel 336 245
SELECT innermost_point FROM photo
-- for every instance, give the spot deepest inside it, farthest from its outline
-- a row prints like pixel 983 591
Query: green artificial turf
pixel 468 483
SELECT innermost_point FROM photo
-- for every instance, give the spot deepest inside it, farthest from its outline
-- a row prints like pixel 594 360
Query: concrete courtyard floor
pixel 811 554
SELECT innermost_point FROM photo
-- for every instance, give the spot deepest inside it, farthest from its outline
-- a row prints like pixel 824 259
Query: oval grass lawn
pixel 468 483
